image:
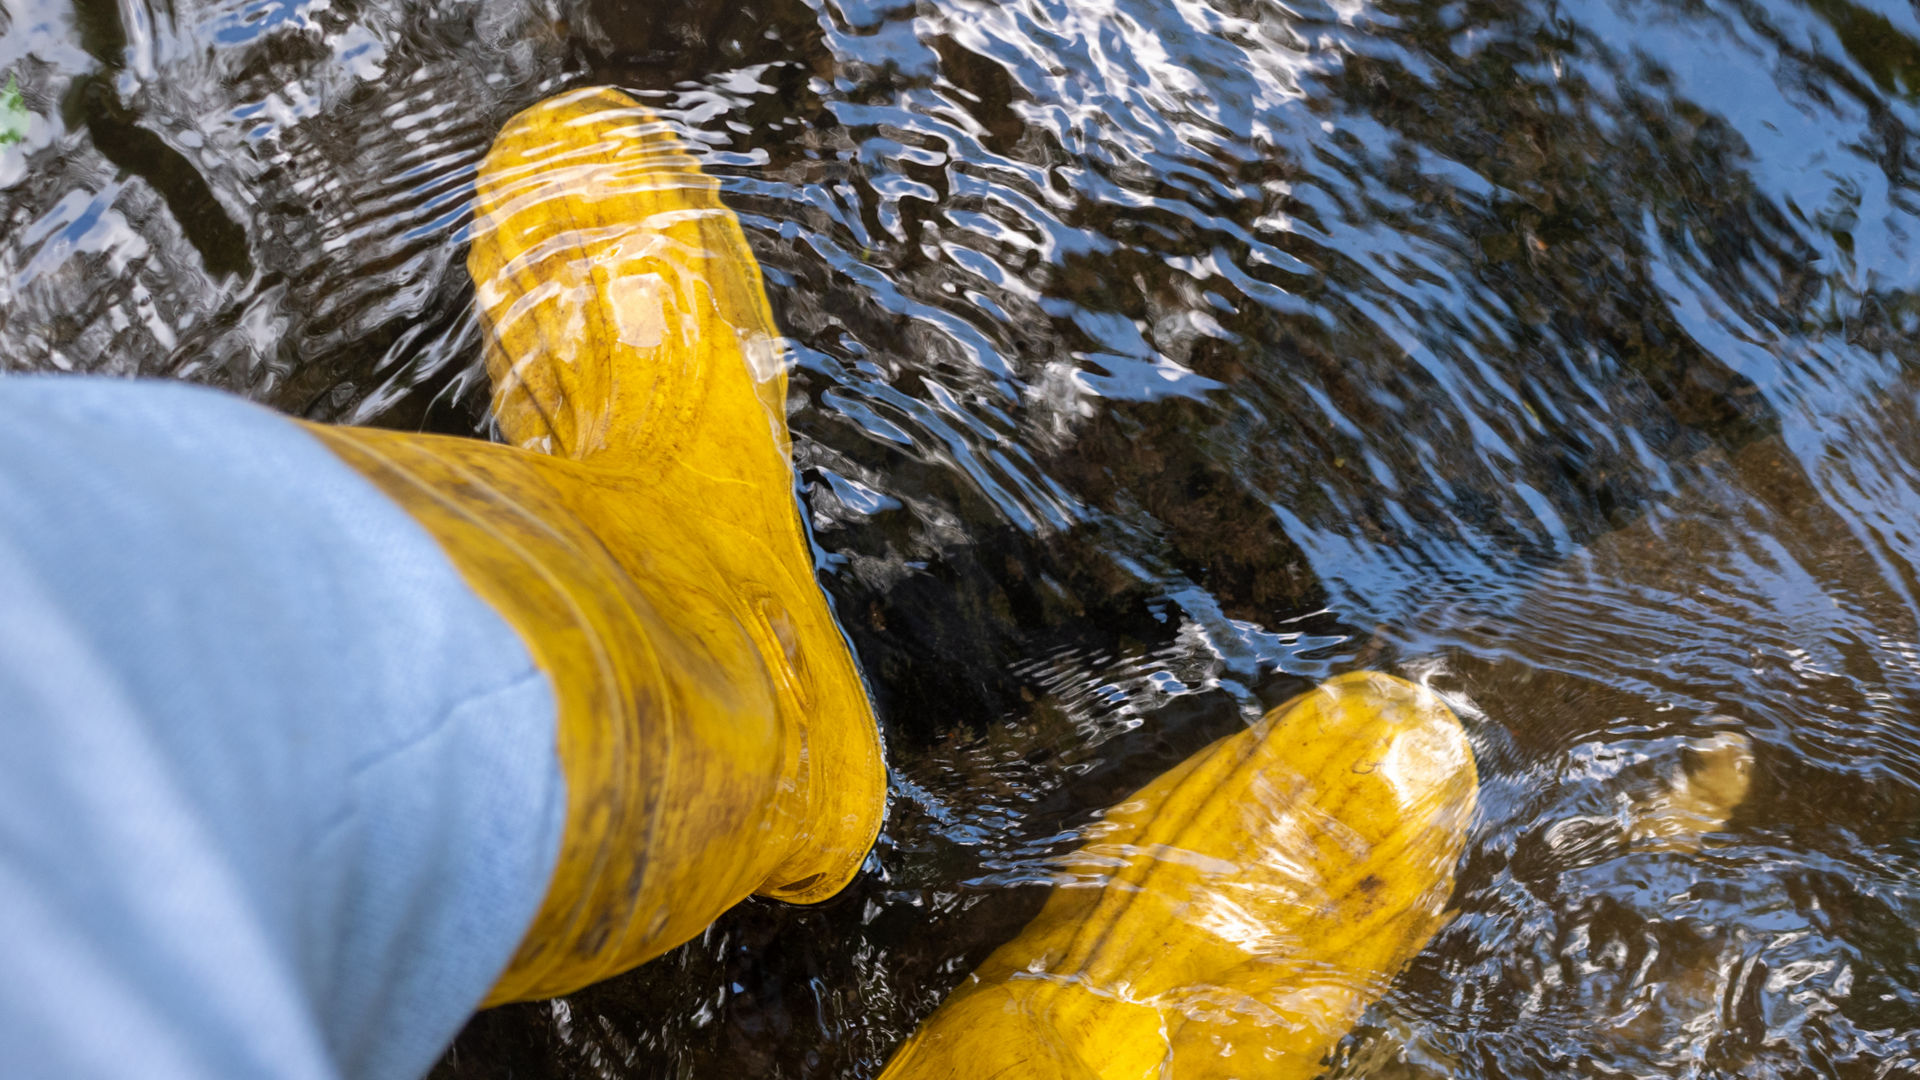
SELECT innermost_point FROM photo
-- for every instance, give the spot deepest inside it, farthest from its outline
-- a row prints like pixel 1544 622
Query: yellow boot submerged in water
pixel 642 536
pixel 1234 917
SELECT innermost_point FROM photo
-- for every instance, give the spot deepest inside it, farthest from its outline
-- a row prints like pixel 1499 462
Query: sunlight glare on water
pixel 1155 359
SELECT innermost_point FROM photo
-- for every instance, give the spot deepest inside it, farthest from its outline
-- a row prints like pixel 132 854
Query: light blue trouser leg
pixel 278 792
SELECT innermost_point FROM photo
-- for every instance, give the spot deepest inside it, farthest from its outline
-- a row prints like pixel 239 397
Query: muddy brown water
pixel 1155 358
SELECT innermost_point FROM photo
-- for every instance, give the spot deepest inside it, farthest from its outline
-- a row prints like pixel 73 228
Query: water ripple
pixel 1153 360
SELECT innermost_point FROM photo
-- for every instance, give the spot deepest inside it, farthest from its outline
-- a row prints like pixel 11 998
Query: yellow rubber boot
pixel 1234 917
pixel 641 535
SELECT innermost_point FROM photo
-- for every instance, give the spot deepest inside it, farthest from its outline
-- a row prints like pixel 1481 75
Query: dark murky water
pixel 1157 357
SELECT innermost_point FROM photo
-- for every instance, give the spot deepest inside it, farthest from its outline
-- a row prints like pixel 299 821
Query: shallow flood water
pixel 1153 360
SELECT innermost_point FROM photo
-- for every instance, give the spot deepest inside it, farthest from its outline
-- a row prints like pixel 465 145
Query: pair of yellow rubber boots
pixel 640 532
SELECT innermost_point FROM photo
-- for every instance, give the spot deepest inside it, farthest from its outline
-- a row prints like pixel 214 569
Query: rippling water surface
pixel 1156 358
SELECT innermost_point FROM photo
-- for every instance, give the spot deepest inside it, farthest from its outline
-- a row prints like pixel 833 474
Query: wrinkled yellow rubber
pixel 641 534
pixel 1234 917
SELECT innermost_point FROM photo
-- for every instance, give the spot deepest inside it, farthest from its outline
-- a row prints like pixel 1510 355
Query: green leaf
pixel 13 113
